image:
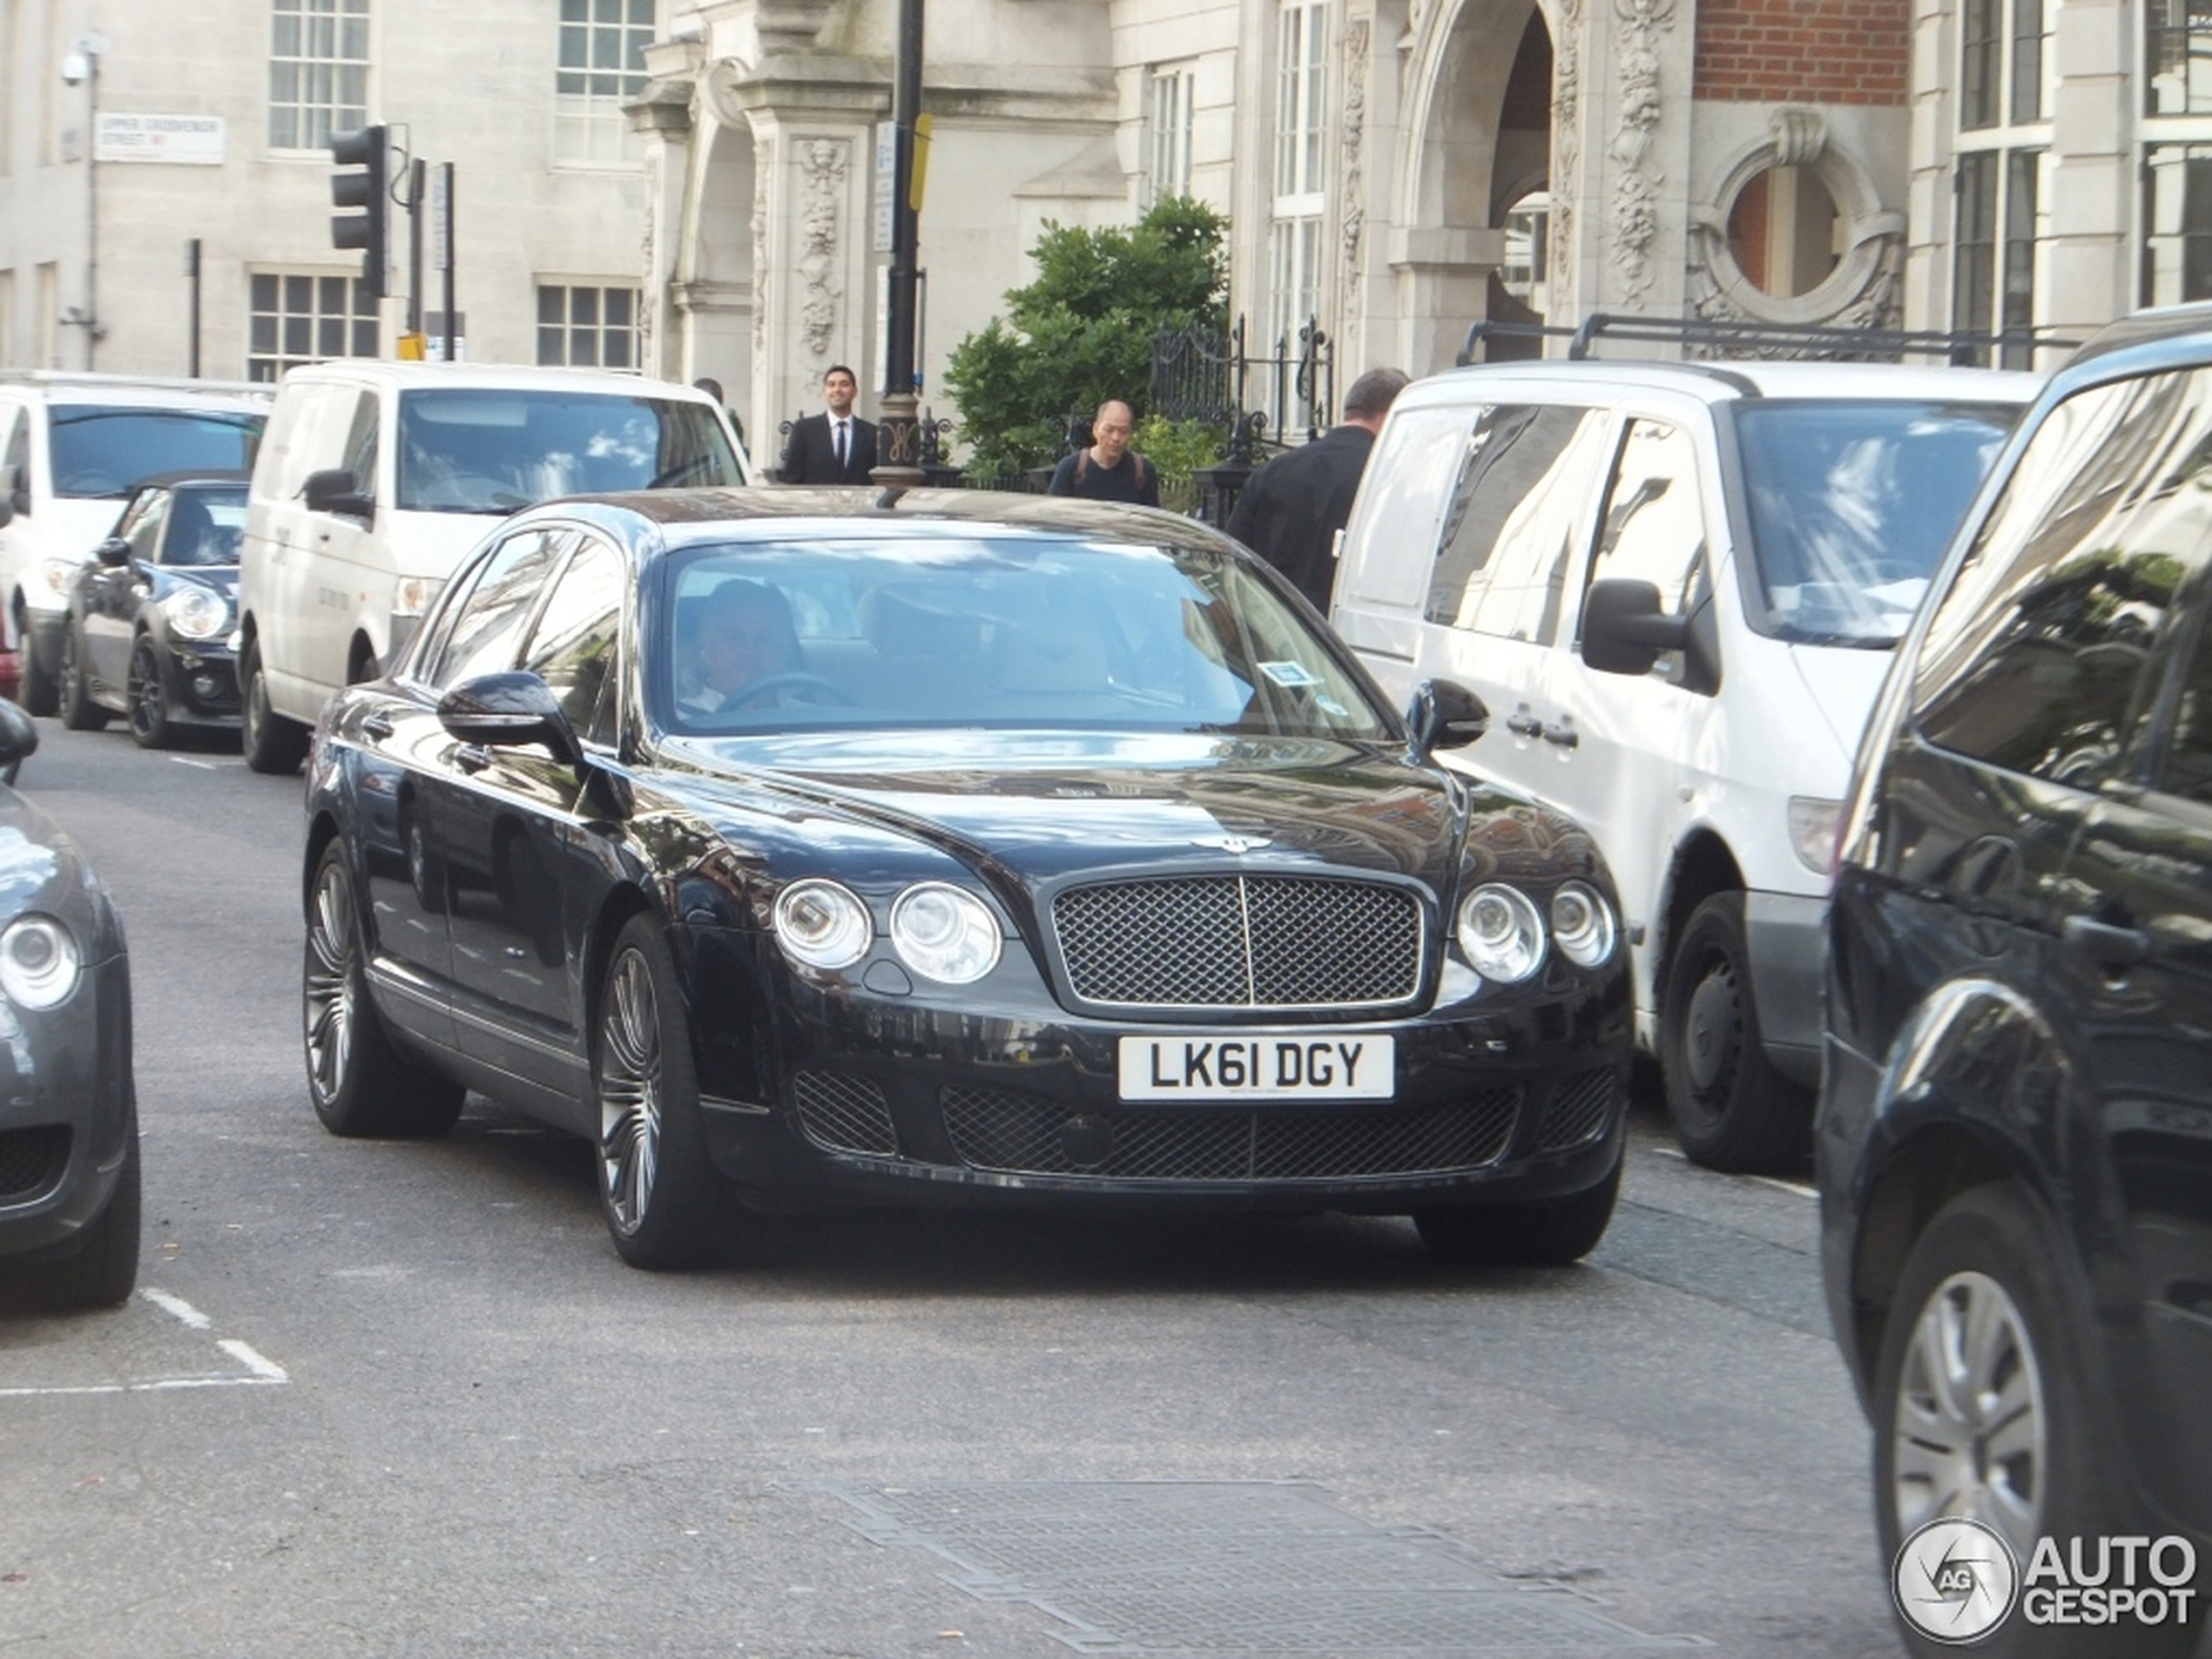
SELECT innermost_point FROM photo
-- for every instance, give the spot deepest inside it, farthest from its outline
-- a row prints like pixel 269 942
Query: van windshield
pixel 101 451
pixel 493 451
pixel 1853 502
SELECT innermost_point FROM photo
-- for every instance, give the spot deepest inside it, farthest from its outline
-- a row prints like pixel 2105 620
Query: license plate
pixel 1200 1066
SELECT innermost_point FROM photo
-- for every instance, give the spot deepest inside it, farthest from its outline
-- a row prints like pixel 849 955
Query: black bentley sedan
pixel 69 1117
pixel 812 848
pixel 149 618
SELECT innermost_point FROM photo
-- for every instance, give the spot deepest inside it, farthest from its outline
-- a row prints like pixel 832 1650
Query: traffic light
pixel 360 182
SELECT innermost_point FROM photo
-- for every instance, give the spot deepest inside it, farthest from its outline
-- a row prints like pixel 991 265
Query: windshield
pixel 492 451
pixel 1001 631
pixel 102 452
pixel 1851 505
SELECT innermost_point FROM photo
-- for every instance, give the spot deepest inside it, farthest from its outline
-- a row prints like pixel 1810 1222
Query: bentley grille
pixel 1240 942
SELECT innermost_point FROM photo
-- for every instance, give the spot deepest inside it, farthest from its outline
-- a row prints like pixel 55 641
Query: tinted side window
pixel 487 626
pixel 573 648
pixel 1652 528
pixel 2186 767
pixel 2035 660
pixel 1503 548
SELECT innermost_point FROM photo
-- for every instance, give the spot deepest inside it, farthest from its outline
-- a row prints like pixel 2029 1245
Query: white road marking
pixel 1797 1187
pixel 262 1373
pixel 203 766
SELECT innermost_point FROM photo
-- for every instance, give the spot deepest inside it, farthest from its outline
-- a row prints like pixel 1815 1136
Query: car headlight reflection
pixel 1583 924
pixel 944 934
pixel 39 962
pixel 820 924
pixel 1501 933
pixel 196 613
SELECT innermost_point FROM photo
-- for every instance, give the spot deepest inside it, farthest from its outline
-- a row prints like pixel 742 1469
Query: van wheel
pixel 37 692
pixel 1731 1109
pixel 271 744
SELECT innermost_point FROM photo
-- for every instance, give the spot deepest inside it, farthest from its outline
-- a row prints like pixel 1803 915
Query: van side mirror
pixel 333 490
pixel 1444 714
pixel 1623 628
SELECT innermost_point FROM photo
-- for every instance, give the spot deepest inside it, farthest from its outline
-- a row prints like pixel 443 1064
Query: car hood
pixel 41 869
pixel 222 578
pixel 1842 682
pixel 1042 806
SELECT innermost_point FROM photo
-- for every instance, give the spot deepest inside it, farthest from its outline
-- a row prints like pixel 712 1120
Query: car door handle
pixel 378 726
pixel 1562 735
pixel 2109 947
pixel 472 757
pixel 1522 724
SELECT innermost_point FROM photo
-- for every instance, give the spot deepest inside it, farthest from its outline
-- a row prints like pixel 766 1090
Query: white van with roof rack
pixel 376 478
pixel 72 445
pixel 1677 586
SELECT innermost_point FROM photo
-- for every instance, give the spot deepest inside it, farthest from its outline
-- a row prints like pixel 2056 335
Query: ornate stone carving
pixel 825 163
pixel 1799 136
pixel 1635 187
pixel 761 297
pixel 1357 35
pixel 1567 152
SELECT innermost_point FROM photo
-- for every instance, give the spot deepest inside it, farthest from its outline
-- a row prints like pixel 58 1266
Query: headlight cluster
pixel 1504 936
pixel 38 962
pixel 195 612
pixel 57 576
pixel 942 931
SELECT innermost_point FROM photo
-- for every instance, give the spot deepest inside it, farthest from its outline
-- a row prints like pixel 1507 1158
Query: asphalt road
pixel 403 1399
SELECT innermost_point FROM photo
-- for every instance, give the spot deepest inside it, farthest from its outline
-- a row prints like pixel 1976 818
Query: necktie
pixel 840 445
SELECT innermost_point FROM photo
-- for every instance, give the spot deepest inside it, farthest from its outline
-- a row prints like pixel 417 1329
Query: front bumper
pixel 64 1110
pixel 200 683
pixel 854 1098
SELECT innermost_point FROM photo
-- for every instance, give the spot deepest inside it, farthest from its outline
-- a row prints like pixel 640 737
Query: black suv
pixel 2014 1135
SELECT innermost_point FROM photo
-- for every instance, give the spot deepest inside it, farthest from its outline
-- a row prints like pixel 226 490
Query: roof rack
pixel 1789 340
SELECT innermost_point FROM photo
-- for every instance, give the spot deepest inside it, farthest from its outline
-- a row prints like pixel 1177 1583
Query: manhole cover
pixel 1230 1568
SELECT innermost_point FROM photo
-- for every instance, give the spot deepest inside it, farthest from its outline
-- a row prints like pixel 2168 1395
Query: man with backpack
pixel 1107 471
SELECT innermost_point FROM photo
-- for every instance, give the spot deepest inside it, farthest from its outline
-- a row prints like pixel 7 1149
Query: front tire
pixel 664 1203
pixel 1984 1408
pixel 361 1083
pixel 1544 1232
pixel 1731 1109
pixel 148 698
pixel 79 712
pixel 271 744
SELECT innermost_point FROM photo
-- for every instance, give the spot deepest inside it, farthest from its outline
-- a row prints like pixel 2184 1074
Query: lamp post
pixel 899 453
pixel 81 67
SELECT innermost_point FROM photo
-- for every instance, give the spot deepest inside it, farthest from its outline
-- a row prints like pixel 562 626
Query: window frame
pixel 343 79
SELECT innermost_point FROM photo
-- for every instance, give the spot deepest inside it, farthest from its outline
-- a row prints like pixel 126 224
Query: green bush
pixel 1082 333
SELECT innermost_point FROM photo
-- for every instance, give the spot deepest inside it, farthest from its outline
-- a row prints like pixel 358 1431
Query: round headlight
pixel 944 934
pixel 1582 925
pixel 1501 933
pixel 822 925
pixel 195 612
pixel 38 962
pixel 58 574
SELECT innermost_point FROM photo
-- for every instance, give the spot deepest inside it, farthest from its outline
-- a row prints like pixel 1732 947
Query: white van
pixel 376 478
pixel 1677 586
pixel 71 446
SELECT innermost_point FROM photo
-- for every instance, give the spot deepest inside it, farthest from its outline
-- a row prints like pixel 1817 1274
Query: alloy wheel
pixel 630 1093
pixel 1971 1431
pixel 143 696
pixel 329 985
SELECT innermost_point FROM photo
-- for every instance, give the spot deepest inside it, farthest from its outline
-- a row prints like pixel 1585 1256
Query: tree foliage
pixel 1081 331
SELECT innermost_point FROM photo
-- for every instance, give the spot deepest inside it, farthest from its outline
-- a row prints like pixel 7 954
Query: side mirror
pixel 1444 714
pixel 510 711
pixel 333 490
pixel 114 550
pixel 19 739
pixel 1624 630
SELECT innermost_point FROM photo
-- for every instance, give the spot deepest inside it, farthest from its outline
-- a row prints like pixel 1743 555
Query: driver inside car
pixel 743 638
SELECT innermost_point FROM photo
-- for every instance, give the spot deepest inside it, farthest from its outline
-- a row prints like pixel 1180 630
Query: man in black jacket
pixel 1292 508
pixel 834 448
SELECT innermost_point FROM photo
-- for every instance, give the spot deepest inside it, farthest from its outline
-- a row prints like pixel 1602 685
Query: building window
pixel 296 318
pixel 2177 57
pixel 1167 127
pixel 603 67
pixel 2005 96
pixel 2177 223
pixel 1294 238
pixel 318 70
pixel 587 327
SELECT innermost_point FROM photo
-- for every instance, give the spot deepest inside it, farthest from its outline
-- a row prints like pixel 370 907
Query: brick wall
pixel 1803 51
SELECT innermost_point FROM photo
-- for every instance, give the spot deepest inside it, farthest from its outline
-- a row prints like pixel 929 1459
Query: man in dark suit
pixel 836 446
pixel 1292 508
